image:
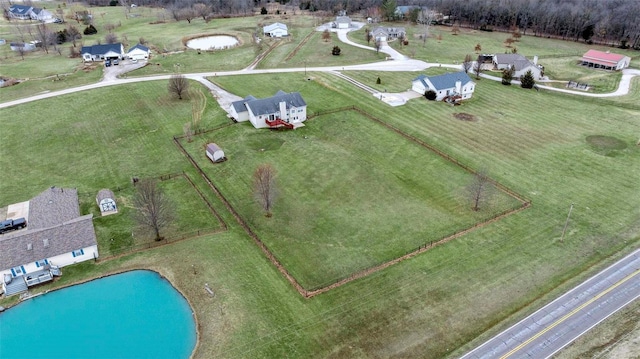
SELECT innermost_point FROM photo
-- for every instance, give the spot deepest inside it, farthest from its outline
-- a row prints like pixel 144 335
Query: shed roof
pixel 103 194
pixel 272 104
pixel 605 58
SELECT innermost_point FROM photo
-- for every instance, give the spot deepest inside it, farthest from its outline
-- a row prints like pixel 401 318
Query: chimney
pixel 459 87
pixel 535 60
pixel 283 111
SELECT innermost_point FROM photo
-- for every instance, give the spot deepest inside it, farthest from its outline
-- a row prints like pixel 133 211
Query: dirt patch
pixel 465 117
pixel 606 145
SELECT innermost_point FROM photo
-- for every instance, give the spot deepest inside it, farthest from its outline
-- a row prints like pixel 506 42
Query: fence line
pixel 525 203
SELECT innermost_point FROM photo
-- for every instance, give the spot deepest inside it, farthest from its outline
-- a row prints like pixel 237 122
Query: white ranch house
pixel 281 110
pixel 139 52
pixel 24 12
pixel 276 30
pixel 457 85
pixel 102 52
pixel 520 65
pixel 605 60
pixel 56 236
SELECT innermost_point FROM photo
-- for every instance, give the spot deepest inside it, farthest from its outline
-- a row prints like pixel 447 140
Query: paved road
pixel 562 321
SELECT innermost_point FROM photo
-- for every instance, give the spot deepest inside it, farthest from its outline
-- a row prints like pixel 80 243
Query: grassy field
pixel 438 304
pixel 326 224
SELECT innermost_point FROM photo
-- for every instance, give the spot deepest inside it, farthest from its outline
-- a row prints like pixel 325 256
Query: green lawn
pixel 326 223
pixel 437 304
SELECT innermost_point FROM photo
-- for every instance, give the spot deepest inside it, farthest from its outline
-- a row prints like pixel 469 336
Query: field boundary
pixel 181 237
pixel 309 293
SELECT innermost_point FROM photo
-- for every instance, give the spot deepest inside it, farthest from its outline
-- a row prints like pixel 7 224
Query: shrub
pixel 335 51
pixel 430 95
pixel 263 11
pixel 90 30
pixel 378 81
pixel 527 80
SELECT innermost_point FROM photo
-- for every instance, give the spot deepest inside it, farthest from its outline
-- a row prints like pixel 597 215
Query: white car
pixel 134 61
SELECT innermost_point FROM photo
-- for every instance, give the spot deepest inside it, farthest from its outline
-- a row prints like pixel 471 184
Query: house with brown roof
pixel 605 60
pixel 56 236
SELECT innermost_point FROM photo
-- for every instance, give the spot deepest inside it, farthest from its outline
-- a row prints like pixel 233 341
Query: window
pixel 29 246
pixel 78 253
pixel 46 242
pixel 42 263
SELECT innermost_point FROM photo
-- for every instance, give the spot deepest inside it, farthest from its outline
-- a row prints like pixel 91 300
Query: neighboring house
pixel 520 65
pixel 456 84
pixel 342 22
pixel 281 110
pixel 106 202
pixel 605 60
pixel 23 12
pixel 139 52
pixel 56 235
pixel 102 52
pixel 387 33
pixel 22 46
pixel 276 30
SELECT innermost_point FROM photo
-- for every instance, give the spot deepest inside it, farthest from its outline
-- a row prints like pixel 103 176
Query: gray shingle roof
pixel 139 46
pixel 272 104
pixel 52 207
pixel 445 81
pixel 343 19
pixel 102 49
pixel 20 9
pixel 63 238
pixel 239 105
pixel 509 58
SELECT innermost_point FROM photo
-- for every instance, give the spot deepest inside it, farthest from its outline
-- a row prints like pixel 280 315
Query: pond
pixel 135 314
pixel 213 42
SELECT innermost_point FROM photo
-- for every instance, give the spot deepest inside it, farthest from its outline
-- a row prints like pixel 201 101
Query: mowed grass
pixel 326 223
pixel 431 306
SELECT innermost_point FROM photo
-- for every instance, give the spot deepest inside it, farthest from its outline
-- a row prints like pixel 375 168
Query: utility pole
pixel 566 223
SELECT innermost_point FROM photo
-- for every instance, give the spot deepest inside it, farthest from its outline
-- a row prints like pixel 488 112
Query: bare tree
pixel 326 35
pixel 467 64
pixel 188 14
pixel 477 69
pixel 264 183
pixel 478 48
pixel 479 189
pixel 110 38
pixel 178 86
pixel 367 35
pixel 73 34
pixel 155 211
pixel 378 45
pixel 202 10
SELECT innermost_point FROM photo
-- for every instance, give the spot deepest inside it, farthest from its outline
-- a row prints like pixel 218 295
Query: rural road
pixel 562 321
pixel 399 62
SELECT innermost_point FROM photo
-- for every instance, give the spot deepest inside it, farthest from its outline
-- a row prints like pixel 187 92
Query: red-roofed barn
pixel 605 60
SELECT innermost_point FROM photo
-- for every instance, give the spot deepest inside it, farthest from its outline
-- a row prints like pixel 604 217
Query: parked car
pixel 107 63
pixel 12 224
pixel 116 62
pixel 58 21
pixel 134 61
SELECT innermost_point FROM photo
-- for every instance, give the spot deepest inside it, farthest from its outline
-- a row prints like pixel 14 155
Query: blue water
pixel 136 314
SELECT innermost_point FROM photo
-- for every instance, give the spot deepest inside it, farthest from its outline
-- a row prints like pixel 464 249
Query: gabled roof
pixel 274 26
pixel 140 47
pixel 239 105
pixel 271 105
pixel 52 207
pixel 102 49
pixel 388 30
pixel 509 59
pixel 20 9
pixel 606 58
pixel 63 238
pixel 445 81
pixel 343 19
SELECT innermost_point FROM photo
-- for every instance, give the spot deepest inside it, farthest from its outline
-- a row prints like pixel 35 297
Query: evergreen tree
pixel 507 76
pixel 527 80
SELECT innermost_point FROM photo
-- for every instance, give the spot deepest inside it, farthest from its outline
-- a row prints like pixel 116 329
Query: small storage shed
pixel 106 201
pixel 215 153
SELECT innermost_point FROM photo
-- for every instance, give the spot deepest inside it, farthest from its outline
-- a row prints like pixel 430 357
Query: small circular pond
pixel 136 314
pixel 214 42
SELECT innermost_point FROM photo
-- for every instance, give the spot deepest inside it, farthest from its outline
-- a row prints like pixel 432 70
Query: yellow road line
pixel 566 316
